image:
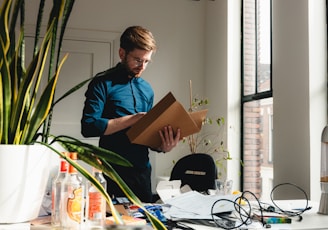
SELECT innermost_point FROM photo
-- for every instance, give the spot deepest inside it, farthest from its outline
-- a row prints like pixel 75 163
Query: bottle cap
pixel 73 155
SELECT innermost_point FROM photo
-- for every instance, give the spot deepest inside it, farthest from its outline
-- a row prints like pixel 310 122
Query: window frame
pixel 257 95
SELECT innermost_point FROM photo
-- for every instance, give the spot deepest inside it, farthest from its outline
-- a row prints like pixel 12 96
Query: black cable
pixel 288 212
pixel 177 225
pixel 258 202
pixel 245 217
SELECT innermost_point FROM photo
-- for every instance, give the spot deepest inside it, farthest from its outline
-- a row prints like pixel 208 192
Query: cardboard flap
pixel 199 117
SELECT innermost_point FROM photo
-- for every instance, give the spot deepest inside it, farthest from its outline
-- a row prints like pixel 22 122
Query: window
pixel 257 110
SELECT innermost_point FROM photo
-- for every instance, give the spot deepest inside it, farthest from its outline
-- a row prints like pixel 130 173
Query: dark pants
pixel 138 180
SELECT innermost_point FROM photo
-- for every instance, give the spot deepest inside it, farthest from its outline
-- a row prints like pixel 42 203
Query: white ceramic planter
pixel 24 171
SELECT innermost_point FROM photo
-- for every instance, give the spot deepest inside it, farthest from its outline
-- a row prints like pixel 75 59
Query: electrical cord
pixel 227 221
pixel 245 217
pixel 177 225
pixel 290 213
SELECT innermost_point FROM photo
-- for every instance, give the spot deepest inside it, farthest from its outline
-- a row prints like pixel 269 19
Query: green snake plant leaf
pixel 61 11
pixel 65 16
pixel 93 180
pixel 72 90
pixel 44 105
pixel 5 99
pixel 4 20
pixel 24 104
pixel 85 153
pixel 25 107
pixel 101 158
pixel 5 83
pixel 38 24
pixel 54 17
pixel 74 145
pixel 109 171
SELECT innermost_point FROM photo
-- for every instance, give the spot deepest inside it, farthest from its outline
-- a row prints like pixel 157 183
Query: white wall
pixel 318 88
pixel 200 40
pixel 299 92
pixel 181 29
pixel 222 71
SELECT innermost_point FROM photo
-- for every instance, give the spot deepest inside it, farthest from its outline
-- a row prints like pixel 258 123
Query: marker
pixel 277 220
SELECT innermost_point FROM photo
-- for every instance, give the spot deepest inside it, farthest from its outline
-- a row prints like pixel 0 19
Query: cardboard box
pixel 168 111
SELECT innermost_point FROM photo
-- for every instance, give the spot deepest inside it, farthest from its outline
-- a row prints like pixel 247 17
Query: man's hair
pixel 137 37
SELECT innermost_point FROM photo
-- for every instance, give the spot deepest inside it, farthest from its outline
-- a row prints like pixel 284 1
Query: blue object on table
pixel 155 210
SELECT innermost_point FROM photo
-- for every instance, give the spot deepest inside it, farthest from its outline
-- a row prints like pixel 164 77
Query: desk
pixel 311 221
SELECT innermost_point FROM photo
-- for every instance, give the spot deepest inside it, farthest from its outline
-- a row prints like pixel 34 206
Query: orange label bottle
pixel 73 198
pixel 96 202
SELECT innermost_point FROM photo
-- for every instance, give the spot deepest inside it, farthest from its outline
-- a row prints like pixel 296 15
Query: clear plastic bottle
pixel 96 202
pixel 323 207
pixel 72 198
pixel 56 192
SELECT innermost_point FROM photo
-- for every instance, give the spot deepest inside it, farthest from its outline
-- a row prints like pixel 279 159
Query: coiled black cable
pixel 290 213
pixel 245 217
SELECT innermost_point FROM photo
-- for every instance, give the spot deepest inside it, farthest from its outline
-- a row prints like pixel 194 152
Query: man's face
pixel 135 61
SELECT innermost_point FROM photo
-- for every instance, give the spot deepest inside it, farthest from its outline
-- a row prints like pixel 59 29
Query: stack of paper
pixel 194 205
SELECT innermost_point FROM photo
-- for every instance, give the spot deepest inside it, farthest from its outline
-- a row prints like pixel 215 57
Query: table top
pixel 310 220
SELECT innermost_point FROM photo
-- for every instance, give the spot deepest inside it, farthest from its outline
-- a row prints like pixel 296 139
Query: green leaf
pixel 90 178
pixel 5 94
pixel 72 90
pixel 22 113
pixel 109 171
pixel 44 105
pixel 102 159
pixel 33 75
pixel 5 83
pixel 75 145
pixel 4 22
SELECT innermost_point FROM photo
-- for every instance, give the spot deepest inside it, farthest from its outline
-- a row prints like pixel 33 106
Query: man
pixel 115 100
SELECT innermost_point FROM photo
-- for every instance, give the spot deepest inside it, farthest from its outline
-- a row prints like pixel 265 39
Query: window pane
pixel 263 43
pixel 256 46
pixel 257 144
pixel 249 47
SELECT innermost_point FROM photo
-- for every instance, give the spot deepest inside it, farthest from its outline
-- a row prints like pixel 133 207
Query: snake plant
pixel 26 107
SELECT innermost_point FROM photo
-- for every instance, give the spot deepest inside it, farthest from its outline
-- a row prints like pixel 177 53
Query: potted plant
pixel 209 140
pixel 25 114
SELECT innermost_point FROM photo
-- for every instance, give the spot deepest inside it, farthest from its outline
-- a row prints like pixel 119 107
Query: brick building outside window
pixel 257 110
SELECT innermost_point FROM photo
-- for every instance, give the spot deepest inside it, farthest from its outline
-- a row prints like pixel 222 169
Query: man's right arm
pixel 118 124
pixel 93 124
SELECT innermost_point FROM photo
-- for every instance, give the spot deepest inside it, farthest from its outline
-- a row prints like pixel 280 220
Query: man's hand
pixel 169 141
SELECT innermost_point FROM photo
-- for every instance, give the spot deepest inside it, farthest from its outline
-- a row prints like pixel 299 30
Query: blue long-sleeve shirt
pixel 112 94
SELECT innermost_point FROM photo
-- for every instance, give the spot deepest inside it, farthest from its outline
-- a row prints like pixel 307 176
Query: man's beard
pixel 130 72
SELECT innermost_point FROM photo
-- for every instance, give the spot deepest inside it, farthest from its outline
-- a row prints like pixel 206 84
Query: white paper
pixel 194 205
pixel 168 189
